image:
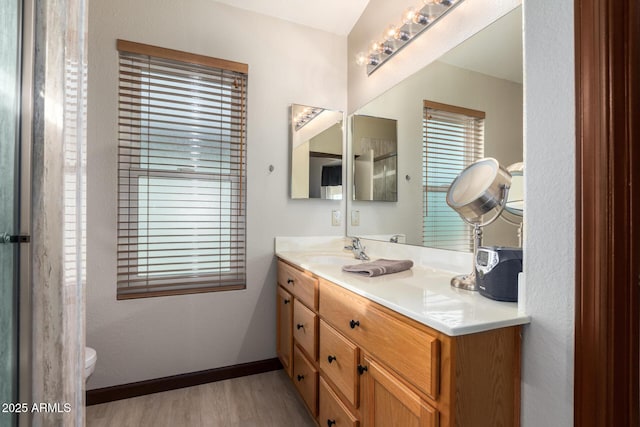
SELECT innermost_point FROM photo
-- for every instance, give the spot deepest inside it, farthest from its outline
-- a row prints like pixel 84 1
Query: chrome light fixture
pixel 481 188
pixel 305 116
pixel 415 20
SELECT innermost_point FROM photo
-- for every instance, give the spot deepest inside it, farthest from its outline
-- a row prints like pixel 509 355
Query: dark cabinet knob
pixel 287 301
pixel 290 281
pixel 362 369
pixel 300 377
pixel 299 326
pixel 331 358
pixel 330 423
pixel 354 323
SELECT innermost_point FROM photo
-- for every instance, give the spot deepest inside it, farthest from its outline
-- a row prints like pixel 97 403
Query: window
pixel 453 137
pixel 181 172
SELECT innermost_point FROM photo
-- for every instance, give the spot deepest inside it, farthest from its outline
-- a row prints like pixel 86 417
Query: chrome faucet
pixel 395 238
pixel 357 248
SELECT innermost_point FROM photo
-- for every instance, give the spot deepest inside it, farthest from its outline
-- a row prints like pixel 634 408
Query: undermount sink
pixel 333 259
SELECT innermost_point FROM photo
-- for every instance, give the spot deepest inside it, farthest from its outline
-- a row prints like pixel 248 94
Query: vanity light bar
pixel 306 116
pixel 415 20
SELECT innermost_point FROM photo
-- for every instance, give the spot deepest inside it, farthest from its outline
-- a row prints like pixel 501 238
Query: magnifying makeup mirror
pixel 514 208
pixel 481 188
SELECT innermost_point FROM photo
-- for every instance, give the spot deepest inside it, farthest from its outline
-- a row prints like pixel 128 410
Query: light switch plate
pixel 355 218
pixel 335 218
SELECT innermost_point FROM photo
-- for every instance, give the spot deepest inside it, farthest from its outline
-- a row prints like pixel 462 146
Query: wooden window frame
pixel 238 208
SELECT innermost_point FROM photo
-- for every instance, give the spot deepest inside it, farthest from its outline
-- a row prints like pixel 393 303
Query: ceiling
pixel 495 51
pixel 334 16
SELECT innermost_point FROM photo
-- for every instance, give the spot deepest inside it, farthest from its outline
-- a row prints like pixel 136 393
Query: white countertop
pixel 423 293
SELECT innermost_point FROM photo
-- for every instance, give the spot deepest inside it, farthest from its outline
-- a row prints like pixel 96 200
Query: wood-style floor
pixel 262 400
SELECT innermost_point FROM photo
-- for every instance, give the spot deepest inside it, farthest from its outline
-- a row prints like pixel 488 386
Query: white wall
pixel 548 358
pixel 156 337
pixel 500 99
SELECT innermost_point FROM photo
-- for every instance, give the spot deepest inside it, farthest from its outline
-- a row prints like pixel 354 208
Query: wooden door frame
pixel 607 197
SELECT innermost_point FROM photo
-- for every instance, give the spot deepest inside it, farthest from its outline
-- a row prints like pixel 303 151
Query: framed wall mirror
pixel 462 107
pixel 316 136
pixel 374 156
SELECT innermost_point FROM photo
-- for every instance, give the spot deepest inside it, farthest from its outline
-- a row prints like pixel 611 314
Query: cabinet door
pixel 333 413
pixel 387 402
pixel 284 337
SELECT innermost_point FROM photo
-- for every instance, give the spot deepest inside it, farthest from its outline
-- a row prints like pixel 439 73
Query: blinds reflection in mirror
pixel 453 137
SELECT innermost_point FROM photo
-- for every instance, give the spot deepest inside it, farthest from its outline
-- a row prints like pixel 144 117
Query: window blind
pixel 453 137
pixel 181 172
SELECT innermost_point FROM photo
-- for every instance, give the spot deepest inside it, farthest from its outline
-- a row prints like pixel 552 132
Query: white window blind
pixel 453 137
pixel 181 172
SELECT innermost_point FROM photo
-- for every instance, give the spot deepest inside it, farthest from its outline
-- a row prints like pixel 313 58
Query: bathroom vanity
pixel 397 350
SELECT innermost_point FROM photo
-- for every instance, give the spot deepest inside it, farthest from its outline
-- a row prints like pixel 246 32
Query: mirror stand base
pixel 465 281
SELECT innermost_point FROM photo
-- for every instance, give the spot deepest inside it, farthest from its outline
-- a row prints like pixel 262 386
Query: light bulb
pixel 376 47
pixel 389 33
pixel 407 16
pixel 361 59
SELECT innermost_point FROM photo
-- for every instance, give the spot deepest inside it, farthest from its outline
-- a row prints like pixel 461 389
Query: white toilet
pixel 90 357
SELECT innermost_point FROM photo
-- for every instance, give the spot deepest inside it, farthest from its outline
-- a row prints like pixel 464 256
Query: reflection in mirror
pixel 483 74
pixel 515 202
pixel 375 158
pixel 514 208
pixel 316 153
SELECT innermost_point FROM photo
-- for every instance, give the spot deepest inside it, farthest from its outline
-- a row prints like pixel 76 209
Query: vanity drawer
pixel 302 285
pixel 411 352
pixel 339 361
pixel 340 307
pixel 305 378
pixel 332 410
pixel 305 325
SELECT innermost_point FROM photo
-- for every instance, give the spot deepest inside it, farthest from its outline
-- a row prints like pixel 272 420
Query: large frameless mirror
pixel 316 153
pixel 465 106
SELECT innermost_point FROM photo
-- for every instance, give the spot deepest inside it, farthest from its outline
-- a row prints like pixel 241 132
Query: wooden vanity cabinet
pixel 284 316
pixel 377 367
pixel 297 330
